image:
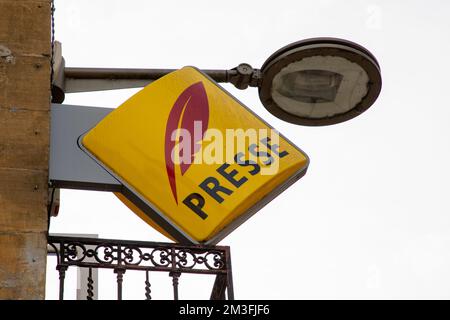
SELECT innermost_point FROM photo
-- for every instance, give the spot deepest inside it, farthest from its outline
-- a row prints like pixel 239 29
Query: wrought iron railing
pixel 120 256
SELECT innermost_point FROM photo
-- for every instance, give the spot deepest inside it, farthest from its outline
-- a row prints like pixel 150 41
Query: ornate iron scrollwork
pixel 121 256
pixel 113 253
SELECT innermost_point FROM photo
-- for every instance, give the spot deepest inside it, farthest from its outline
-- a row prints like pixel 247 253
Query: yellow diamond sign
pixel 194 162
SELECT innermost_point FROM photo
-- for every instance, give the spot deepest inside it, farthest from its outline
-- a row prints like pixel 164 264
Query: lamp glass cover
pixel 319 86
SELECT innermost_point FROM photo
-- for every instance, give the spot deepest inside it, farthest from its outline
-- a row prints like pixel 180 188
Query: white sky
pixel 371 218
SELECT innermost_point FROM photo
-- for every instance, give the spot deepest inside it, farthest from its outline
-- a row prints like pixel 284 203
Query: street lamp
pixel 313 82
pixel 319 81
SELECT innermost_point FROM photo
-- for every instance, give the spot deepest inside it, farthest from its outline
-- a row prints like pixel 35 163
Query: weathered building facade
pixel 25 68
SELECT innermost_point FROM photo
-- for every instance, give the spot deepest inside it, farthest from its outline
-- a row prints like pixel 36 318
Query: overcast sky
pixel 371 218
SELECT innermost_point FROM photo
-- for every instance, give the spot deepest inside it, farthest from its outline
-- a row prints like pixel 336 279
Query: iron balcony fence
pixel 123 255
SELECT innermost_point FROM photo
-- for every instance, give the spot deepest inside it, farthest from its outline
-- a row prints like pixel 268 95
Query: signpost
pixel 183 154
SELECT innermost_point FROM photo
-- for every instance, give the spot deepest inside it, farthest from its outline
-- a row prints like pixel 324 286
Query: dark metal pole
pixel 90 286
pixel 230 289
pixel 137 74
pixel 147 286
pixel 219 287
pixel 62 270
pixel 120 273
pixel 175 282
pixel 72 80
pixel 62 276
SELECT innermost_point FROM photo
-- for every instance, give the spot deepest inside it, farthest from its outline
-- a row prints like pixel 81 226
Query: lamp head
pixel 319 81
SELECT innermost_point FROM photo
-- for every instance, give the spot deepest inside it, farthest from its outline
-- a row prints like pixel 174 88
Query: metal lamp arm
pixel 72 80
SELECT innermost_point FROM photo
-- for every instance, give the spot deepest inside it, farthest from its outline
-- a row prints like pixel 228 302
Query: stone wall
pixel 25 50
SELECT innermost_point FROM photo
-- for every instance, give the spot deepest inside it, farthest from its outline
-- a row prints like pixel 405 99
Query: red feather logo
pixel 190 107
